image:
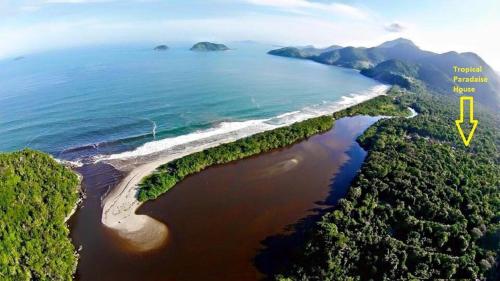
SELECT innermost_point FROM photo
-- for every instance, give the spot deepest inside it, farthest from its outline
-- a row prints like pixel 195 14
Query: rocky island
pixel 208 47
pixel 161 48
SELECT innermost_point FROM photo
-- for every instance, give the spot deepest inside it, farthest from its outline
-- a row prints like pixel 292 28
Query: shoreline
pixel 119 206
pixel 80 192
pixel 247 200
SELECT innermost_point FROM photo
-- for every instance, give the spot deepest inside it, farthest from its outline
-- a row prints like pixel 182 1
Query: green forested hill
pixel 208 47
pixel 302 52
pixel 394 72
pixel 36 194
pixel 423 206
pixel 386 61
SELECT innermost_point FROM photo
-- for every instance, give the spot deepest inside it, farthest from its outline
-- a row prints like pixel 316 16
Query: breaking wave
pixel 225 132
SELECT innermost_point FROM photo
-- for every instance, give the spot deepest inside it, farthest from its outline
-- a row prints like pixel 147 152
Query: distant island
pixel 161 48
pixel 208 47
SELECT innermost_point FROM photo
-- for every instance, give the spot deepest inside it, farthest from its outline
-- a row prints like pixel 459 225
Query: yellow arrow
pixel 471 119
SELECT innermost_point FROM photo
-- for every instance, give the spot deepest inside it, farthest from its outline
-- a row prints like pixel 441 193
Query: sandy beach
pixel 119 206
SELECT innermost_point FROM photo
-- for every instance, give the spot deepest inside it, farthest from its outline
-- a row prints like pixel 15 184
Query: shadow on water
pixel 277 251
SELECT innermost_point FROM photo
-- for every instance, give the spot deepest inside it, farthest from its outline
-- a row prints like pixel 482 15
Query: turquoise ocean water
pixel 83 103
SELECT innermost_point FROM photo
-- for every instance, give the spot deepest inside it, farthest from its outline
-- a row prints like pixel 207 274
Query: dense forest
pixel 423 206
pixel 36 195
pixel 173 172
pixel 386 105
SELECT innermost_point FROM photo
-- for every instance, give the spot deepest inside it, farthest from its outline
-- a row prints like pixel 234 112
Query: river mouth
pixel 218 219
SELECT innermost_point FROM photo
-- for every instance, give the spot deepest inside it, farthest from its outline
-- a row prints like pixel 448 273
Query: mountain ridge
pixel 401 61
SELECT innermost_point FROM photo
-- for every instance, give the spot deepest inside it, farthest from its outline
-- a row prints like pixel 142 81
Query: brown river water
pixel 230 222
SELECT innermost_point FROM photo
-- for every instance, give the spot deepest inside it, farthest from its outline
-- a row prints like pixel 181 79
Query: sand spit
pixel 140 231
pixel 119 206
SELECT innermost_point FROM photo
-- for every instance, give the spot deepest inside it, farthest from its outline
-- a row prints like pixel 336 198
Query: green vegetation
pixel 423 206
pixel 400 62
pixel 302 53
pixel 208 47
pixel 388 105
pixel 393 72
pixel 291 52
pixel 173 172
pixel 36 194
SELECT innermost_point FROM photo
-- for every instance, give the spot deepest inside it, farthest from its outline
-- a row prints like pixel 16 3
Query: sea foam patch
pixel 230 131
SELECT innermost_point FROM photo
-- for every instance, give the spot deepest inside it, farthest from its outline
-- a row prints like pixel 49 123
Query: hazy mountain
pixel 437 72
pixel 360 57
pixel 306 52
pixel 402 49
pixel 398 61
pixel 351 57
pixel 395 42
pixel 313 51
pixel 290 52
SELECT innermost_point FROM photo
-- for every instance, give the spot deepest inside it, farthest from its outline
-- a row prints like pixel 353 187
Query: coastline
pixel 248 200
pixel 143 232
pixel 80 192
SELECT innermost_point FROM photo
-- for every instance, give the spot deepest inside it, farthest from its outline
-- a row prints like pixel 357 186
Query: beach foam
pixel 230 131
pixel 120 205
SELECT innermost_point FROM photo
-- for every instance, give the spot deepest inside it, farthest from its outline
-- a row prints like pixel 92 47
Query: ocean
pixel 110 102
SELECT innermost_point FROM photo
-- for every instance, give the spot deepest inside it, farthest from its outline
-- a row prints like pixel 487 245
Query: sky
pixel 28 26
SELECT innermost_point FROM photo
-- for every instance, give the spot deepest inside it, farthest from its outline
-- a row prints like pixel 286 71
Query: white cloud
pixel 395 27
pixel 301 6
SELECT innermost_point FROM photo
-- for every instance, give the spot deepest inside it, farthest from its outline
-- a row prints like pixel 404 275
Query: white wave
pixel 154 129
pixel 287 114
pixel 329 108
pixel 73 164
pixel 230 131
pixel 223 129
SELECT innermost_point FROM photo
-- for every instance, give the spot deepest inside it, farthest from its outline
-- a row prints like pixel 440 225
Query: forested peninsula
pixel 423 206
pixel 36 196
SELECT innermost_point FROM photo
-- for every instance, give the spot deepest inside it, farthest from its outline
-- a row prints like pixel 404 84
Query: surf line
pixel 145 233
